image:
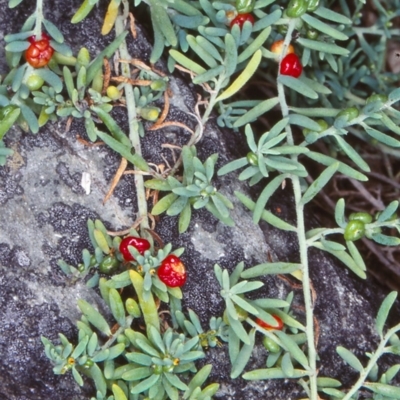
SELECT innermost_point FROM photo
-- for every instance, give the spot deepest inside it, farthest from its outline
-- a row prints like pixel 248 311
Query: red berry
pixel 240 19
pixel 39 52
pixel 172 272
pixel 140 244
pixel 291 65
pixel 269 327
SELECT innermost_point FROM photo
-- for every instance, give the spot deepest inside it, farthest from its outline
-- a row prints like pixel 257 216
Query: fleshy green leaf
pixel 343 168
pixel 297 85
pixel 266 215
pixel 323 27
pixel 94 317
pixel 388 211
pixel 344 257
pixel 384 311
pixel 243 356
pixel 118 393
pixel 323 47
pixel 186 62
pixel 200 377
pixel 243 78
pixel 256 112
pixel 391 392
pixel 270 268
pixel 350 358
pixel 319 183
pixel 272 373
pixel 382 137
pixel 268 191
pixel 117 306
pixel 293 348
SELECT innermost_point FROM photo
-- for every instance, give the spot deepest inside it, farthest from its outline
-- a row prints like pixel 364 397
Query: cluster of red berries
pixel 171 272
pixel 39 52
pixel 290 64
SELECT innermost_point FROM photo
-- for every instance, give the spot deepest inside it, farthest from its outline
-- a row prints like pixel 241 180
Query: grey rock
pixel 44 210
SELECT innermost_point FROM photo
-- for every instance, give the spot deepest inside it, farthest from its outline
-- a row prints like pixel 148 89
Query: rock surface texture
pixel 44 210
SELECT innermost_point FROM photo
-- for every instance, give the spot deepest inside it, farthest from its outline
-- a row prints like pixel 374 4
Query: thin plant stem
pixel 201 121
pixel 301 234
pixel 134 135
pixel 37 31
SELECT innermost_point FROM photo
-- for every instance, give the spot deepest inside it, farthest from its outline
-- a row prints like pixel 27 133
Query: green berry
pixel 93 261
pixel 312 5
pixel 312 34
pixel 354 230
pixel 323 127
pixel 377 97
pixel 245 6
pixel 271 345
pixel 108 265
pixel 349 113
pixel 5 111
pixel 81 268
pixel 361 216
pixel 34 82
pixel 252 158
pixel 157 369
pixel 296 8
pixel 88 364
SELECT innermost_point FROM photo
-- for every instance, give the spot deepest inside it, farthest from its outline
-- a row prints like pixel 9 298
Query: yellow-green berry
pixel 34 82
pixel 113 93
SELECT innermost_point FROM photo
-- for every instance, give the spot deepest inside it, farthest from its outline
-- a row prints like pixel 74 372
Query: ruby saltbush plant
pixel 328 84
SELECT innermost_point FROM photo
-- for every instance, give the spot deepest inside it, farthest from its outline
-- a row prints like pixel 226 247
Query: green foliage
pixel 134 361
pixel 238 310
pixel 194 191
pixel 106 252
pixel 344 96
pixel 156 365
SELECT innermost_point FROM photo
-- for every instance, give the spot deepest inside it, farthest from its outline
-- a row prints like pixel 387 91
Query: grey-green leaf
pixel 270 268
pixel 297 85
pixel 268 191
pixel 293 348
pixel 384 311
pixel 350 358
pixel 319 183
pixel 94 317
pixel 272 373
pixel 323 47
pixel 243 356
pixel 117 306
pixel 389 391
pixel 323 27
pixel 256 112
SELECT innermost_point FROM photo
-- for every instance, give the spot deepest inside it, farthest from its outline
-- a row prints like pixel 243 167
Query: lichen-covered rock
pixel 44 210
